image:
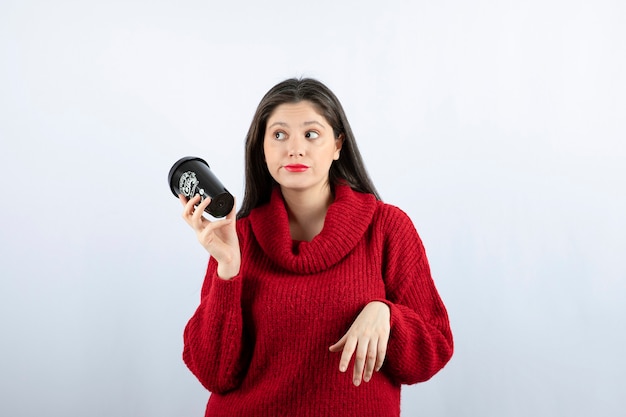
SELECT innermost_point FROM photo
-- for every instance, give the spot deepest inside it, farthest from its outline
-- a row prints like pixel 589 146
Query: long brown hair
pixel 348 169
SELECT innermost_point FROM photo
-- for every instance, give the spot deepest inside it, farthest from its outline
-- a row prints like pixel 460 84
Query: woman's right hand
pixel 218 237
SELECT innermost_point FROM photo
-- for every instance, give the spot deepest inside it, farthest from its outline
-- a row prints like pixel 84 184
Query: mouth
pixel 296 167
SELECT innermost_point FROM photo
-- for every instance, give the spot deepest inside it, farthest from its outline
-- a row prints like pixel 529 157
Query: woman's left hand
pixel 367 339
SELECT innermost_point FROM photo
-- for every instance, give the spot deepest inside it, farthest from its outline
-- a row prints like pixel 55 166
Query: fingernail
pixel 357 382
pixel 342 368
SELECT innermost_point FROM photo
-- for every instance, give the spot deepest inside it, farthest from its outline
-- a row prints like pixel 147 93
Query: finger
pixel 346 355
pixel 339 345
pixel 184 200
pixel 197 216
pixel 211 240
pixel 202 204
pixel 382 351
pixel 360 358
pixel 370 362
pixel 214 226
pixel 190 205
pixel 189 209
pixel 233 212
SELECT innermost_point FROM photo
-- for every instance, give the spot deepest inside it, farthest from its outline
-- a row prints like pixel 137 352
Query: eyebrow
pixel 307 123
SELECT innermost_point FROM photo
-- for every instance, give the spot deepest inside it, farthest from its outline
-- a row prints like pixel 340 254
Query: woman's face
pixel 299 147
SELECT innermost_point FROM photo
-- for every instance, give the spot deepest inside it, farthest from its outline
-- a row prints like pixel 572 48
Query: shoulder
pixel 395 225
pixel 392 216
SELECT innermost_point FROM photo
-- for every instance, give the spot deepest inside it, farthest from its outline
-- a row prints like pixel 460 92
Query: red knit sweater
pixel 259 342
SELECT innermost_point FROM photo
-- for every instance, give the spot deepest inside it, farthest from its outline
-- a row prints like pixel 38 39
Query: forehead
pixel 302 110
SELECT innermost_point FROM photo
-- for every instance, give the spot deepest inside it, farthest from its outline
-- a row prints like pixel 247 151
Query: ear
pixel 338 145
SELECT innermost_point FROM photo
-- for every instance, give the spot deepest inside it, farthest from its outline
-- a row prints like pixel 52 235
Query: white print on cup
pixel 188 185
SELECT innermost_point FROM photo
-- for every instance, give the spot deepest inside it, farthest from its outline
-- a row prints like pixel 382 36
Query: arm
pixel 420 341
pixel 214 339
pixel 406 334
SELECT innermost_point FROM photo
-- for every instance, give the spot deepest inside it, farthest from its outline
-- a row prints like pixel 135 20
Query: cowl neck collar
pixel 347 220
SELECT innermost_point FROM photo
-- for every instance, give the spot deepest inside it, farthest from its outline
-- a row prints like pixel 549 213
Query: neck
pixel 307 211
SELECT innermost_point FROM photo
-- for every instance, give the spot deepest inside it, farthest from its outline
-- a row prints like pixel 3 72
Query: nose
pixel 296 147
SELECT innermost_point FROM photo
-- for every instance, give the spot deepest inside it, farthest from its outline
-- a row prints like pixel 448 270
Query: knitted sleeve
pixel 420 342
pixel 214 346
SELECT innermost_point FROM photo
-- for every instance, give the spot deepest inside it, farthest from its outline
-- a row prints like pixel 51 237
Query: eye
pixel 311 135
pixel 279 135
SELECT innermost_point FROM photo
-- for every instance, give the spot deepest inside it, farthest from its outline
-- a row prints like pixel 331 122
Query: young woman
pixel 318 299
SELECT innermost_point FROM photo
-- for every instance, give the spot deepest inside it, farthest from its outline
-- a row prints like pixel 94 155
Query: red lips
pixel 296 168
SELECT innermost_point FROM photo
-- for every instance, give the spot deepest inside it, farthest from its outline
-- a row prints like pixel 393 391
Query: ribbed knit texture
pixel 259 342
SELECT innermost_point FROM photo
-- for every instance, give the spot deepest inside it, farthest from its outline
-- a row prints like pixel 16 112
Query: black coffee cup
pixel 190 176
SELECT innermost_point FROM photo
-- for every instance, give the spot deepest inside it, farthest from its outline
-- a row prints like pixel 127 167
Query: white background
pixel 497 126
